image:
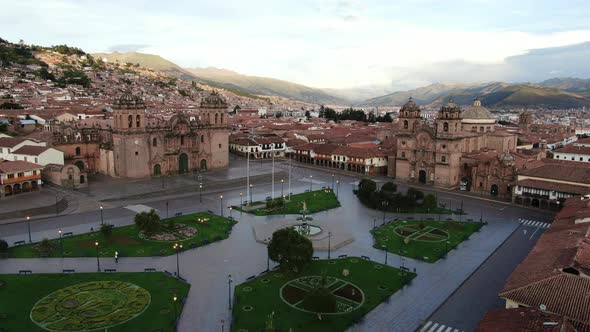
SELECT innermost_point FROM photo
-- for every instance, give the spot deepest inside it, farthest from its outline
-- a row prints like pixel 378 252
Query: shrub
pixel 106 230
pixel 320 299
pixel 389 186
pixel 45 246
pixel 148 222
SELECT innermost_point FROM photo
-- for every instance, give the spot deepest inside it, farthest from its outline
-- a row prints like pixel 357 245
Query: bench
pixel 68 271
pixel 178 214
pixel 25 271
pixel 343 256
pixel 315 258
pixel 149 269
pixel 67 234
pixel 19 243
pixel 366 257
pixel 404 268
pixel 168 273
pixel 210 211
pixel 110 270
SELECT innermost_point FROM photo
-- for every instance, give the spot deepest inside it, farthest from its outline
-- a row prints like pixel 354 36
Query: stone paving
pixel 207 268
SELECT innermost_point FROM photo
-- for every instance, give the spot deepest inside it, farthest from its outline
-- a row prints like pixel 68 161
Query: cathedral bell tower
pixel 448 120
pixel 409 117
pixel 130 141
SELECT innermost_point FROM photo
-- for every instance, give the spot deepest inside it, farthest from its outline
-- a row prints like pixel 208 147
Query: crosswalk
pixel 533 223
pixel 436 327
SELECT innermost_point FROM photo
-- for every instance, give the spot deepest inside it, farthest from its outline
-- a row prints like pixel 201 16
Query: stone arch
pixel 203 164
pixel 494 190
pixel 216 118
pixel 202 138
pixel 16 188
pixel 157 170
pixel 130 121
pixel 26 187
pixel 7 190
pixel 78 151
pixel 79 164
pixel 183 164
pixel 445 126
pixel 138 121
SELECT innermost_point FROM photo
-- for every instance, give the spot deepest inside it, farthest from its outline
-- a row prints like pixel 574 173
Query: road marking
pixel 534 223
pixel 436 327
pixel 536 229
pixel 139 208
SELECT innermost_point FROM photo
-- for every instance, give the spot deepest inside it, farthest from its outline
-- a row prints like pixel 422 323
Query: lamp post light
pixel 241 200
pixel 384 247
pixel 230 216
pixel 311 183
pixel 229 281
pixel 29 228
pixel 282 193
pixel 174 299
pixel 221 204
pixel 96 244
pixel 61 243
pixel 337 187
pixel 200 193
pixel 267 257
pixel 177 247
pixel 329 247
pixel 101 217
pixel 250 201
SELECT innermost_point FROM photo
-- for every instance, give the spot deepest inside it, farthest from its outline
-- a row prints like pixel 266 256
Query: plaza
pixel 207 268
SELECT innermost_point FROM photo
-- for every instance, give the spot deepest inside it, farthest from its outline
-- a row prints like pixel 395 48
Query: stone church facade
pixel 434 154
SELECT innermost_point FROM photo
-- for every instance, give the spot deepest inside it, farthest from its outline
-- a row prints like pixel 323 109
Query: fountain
pixel 304 228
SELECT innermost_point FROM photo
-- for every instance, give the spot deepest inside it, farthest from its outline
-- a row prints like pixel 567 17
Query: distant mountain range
pixel 552 93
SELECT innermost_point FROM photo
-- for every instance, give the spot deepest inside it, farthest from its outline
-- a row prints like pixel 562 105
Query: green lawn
pixel 20 293
pixel 128 243
pixel 316 201
pixel 428 240
pixel 255 300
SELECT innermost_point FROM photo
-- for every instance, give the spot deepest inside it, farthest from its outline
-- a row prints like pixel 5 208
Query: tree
pixel 366 189
pixel 429 202
pixel 3 246
pixel 148 222
pixel 290 249
pixel 106 230
pixel 322 112
pixel 389 186
pixel 307 115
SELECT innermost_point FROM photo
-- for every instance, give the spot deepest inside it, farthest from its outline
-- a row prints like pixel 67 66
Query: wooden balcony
pixel 22 179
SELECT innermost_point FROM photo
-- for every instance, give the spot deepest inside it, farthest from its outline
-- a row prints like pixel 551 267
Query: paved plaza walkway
pixel 207 268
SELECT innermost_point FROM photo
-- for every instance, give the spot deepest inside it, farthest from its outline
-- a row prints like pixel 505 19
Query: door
pixel 203 165
pixel 422 176
pixel 494 190
pixel 157 170
pixel 183 164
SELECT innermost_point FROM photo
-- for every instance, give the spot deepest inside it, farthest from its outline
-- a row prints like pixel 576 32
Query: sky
pixel 319 43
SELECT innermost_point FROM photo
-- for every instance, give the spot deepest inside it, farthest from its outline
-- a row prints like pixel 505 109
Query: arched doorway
pixel 82 179
pixel 8 190
pixel 26 187
pixel 34 186
pixel 535 202
pixel 16 188
pixel 465 184
pixel 494 190
pixel 422 176
pixel 79 164
pixel 203 165
pixel 183 164
pixel 157 170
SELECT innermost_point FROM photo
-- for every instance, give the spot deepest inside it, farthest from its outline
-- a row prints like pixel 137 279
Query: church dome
pixel 410 106
pixel 129 101
pixel 213 100
pixel 476 111
pixel 450 106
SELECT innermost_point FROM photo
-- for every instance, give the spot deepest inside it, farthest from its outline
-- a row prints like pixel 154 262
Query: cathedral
pixel 139 144
pixel 434 154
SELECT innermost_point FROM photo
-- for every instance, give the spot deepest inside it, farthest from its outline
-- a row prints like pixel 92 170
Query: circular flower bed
pixel 247 289
pixel 247 308
pixel 90 306
pixel 265 280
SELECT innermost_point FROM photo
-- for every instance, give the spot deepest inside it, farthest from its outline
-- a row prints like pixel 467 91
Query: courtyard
pixel 424 240
pixel 315 201
pixel 191 230
pixel 91 301
pixel 280 298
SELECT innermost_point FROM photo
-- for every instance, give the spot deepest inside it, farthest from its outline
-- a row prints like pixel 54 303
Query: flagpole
pixel 290 177
pixel 248 173
pixel 272 194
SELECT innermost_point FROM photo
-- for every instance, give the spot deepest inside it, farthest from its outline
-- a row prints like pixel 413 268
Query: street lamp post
pixel 282 193
pixel 374 223
pixel 241 200
pixel 174 299
pixel 311 183
pixel 101 217
pixel 384 204
pixel 29 228
pixel 96 244
pixel 166 209
pixel 230 216
pixel 250 201
pixel 267 258
pixel 61 243
pixel 221 204
pixel 385 250
pixel 229 281
pixel 329 247
pixel 200 193
pixel 177 247
pixel 337 187
pixel 332 182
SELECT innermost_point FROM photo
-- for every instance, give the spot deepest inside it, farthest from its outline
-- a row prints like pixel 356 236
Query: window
pixel 130 121
pixel 21 174
pixel 26 158
pixel 443 159
pixel 11 176
pixel 444 146
pixel 481 129
pixel 405 124
pixel 445 126
pixel 202 138
pixel 138 121
pixel 403 154
pixel 181 139
pixel 216 118
pixel 36 160
pixel 220 146
pixel 136 153
pixel 35 172
pixel 403 142
pixel 77 151
pixel 155 142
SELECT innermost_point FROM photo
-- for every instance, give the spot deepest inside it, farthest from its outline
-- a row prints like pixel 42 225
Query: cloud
pixel 128 47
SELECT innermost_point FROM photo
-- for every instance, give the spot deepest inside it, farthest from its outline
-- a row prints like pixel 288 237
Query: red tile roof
pixel 577 149
pixel 524 320
pixel 17 166
pixel 31 150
